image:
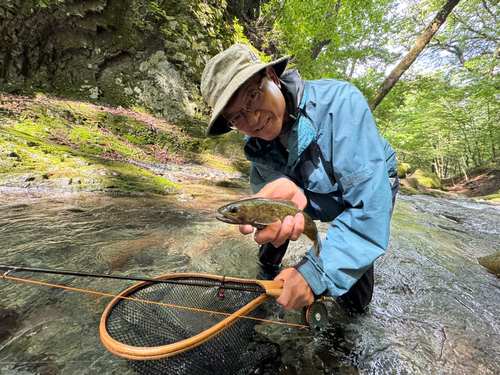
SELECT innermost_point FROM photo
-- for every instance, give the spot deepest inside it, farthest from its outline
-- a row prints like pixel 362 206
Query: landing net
pixel 167 339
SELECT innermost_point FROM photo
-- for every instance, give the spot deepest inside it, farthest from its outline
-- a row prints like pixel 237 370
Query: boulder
pixel 491 262
pixel 409 182
pixel 403 170
pixel 427 179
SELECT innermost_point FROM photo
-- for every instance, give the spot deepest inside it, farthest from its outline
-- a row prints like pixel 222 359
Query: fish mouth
pixel 226 219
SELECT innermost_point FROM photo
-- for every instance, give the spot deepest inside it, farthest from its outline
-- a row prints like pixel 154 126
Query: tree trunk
pixel 403 66
pixel 351 73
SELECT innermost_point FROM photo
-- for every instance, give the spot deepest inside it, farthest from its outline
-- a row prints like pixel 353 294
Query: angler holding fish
pixel 313 143
pixel 261 212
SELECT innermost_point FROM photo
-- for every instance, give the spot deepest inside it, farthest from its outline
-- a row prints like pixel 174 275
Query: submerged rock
pixel 491 262
pixel 9 319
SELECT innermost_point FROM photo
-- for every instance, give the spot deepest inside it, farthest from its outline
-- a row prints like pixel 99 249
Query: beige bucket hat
pixel 224 74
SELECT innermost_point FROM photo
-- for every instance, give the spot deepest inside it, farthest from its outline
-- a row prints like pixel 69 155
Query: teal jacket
pixel 342 164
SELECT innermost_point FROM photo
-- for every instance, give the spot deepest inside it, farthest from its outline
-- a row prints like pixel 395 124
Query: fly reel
pixel 315 316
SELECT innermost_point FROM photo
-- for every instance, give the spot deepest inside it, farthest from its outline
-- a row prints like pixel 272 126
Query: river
pixel 435 309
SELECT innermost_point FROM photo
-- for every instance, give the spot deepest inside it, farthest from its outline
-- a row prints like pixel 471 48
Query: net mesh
pixel 236 350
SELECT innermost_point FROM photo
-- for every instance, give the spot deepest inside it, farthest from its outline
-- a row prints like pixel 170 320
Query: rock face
pixel 129 53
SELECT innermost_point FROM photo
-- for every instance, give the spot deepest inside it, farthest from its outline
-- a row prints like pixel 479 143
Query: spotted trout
pixel 260 212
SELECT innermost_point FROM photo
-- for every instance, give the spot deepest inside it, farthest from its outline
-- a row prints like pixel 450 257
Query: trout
pixel 260 212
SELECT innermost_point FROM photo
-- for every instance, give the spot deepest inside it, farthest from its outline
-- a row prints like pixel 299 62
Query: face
pixel 266 121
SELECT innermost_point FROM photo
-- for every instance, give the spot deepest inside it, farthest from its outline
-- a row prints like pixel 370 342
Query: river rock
pixel 404 169
pixel 9 319
pixel 491 262
pixel 427 179
pixel 409 182
pixel 117 255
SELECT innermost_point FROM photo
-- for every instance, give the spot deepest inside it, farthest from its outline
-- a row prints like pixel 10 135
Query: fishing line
pixel 13 269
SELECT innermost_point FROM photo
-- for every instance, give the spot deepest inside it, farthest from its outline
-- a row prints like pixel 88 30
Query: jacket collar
pixel 292 88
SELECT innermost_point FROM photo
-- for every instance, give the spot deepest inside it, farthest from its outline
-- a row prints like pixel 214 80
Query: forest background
pixel 146 57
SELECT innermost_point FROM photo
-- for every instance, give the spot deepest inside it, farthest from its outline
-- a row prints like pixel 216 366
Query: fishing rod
pixel 12 269
pixel 314 315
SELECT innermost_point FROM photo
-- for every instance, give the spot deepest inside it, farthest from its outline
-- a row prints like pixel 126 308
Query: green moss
pixel 126 178
pixel 494 197
pixel 25 153
pixel 402 170
pixel 61 142
pixel 427 179
pixel 134 140
pixel 32 127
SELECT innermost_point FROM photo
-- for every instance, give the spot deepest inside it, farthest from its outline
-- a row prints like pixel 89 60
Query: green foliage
pixel 240 36
pixel 331 39
pixel 443 115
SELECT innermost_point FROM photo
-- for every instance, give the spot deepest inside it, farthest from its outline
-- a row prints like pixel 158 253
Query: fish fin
pixel 263 222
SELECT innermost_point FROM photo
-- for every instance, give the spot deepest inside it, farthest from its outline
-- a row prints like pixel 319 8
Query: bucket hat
pixel 227 72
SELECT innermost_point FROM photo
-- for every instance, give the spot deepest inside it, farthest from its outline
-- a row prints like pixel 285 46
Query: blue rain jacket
pixel 342 164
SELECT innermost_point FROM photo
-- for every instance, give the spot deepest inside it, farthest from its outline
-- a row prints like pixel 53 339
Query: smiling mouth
pixel 263 126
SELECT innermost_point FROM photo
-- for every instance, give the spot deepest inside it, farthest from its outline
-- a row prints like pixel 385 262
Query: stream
pixel 435 309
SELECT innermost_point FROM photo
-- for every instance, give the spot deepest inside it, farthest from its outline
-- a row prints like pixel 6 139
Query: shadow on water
pixel 435 309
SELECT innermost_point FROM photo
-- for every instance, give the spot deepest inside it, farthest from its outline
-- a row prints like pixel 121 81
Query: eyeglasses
pixel 251 104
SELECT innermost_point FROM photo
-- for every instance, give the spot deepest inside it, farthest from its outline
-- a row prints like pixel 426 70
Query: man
pixel 314 143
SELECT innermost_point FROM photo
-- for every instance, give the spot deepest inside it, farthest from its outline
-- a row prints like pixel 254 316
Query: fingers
pixel 283 189
pixel 277 233
pixel 268 234
pixel 246 229
pixel 296 291
pixel 298 227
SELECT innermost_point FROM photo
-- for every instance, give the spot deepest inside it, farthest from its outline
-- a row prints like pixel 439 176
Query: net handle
pixel 272 288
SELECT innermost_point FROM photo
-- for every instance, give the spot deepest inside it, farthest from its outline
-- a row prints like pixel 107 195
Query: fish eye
pixel 233 209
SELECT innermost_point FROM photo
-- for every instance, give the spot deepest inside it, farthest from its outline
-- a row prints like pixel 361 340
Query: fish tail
pixel 317 246
pixel 316 241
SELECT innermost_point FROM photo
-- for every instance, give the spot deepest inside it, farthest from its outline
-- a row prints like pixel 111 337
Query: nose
pixel 252 118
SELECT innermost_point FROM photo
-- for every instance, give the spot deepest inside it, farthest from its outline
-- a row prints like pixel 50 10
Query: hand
pixel 296 291
pixel 292 226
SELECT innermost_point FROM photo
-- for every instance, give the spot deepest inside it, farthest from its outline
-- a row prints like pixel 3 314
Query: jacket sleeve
pixel 360 233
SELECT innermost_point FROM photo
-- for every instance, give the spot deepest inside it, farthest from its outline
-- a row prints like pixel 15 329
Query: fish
pixel 260 212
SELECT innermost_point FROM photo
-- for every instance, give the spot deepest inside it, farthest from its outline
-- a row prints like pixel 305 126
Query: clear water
pixel 435 309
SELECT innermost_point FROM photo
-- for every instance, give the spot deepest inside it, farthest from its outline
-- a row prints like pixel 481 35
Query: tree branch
pixel 403 66
pixel 318 45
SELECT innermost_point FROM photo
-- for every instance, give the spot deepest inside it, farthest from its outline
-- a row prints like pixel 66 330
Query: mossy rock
pixel 492 197
pixel 491 262
pixel 427 179
pixel 402 171
pixel 408 191
pixel 409 182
